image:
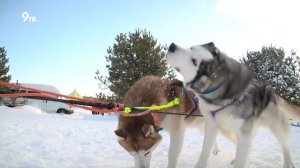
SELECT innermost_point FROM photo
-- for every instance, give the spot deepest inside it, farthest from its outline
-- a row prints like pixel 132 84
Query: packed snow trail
pixel 31 138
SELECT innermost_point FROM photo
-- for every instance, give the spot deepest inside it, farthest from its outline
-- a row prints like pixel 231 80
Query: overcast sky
pixel 63 42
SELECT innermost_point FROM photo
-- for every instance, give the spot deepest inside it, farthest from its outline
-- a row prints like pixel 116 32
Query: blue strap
pixel 159 129
pixel 295 125
pixel 209 90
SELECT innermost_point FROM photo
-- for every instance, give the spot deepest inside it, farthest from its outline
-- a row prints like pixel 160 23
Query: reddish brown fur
pixel 147 91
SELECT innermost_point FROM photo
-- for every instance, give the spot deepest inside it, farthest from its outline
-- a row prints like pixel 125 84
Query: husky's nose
pixel 172 47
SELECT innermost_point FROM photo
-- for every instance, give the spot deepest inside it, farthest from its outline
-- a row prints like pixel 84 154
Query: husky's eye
pixel 177 69
pixel 194 61
pixel 147 153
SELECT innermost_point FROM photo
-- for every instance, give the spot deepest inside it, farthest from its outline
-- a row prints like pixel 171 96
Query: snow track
pixel 31 138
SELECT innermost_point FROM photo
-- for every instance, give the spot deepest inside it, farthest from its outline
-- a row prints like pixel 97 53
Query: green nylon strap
pixel 172 103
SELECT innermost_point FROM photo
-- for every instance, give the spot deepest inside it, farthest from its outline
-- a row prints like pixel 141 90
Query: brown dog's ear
pixel 172 90
pixel 121 133
pixel 147 130
pixel 176 82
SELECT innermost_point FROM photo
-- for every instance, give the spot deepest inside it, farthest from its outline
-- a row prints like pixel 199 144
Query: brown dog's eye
pixel 194 61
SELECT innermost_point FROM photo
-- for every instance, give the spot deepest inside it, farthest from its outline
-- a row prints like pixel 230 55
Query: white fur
pixel 141 160
pixel 150 130
pixel 244 130
pixel 178 59
pixel 176 129
pixel 176 126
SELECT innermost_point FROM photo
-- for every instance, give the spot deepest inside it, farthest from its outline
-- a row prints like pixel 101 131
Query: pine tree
pixel 4 68
pixel 293 53
pixel 131 57
pixel 271 66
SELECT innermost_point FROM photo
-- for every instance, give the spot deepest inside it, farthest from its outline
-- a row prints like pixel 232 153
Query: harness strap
pixel 156 121
pixel 210 90
pixel 214 112
pixel 196 106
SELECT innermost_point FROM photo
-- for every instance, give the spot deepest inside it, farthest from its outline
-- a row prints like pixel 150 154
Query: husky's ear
pixel 213 50
pixel 121 132
pixel 147 130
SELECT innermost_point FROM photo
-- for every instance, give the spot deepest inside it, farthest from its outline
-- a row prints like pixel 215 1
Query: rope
pixel 179 113
pixel 93 105
pixel 135 114
pixel 74 101
pixel 43 92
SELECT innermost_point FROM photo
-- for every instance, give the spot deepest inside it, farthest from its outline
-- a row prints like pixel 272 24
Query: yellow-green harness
pixel 172 103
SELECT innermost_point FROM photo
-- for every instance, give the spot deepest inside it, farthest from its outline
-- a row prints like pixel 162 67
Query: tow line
pixel 89 104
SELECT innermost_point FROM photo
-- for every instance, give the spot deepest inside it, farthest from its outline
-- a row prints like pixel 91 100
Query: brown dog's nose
pixel 172 47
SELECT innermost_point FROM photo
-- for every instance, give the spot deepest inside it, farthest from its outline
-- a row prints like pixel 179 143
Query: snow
pixel 32 138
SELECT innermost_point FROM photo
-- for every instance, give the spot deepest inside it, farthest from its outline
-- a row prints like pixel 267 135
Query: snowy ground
pixel 31 138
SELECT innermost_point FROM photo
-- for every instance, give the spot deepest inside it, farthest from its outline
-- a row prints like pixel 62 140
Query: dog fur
pixel 137 134
pixel 232 99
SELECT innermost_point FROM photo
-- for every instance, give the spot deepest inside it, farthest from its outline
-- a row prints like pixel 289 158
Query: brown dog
pixel 139 135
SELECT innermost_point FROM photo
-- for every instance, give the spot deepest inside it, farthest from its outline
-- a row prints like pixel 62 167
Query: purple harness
pixel 214 112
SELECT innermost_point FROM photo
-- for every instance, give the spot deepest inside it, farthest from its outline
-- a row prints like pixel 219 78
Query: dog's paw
pixel 215 152
pixel 216 148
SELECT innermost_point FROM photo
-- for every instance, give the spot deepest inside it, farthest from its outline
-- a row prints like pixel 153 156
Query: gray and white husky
pixel 231 99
